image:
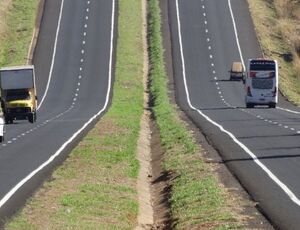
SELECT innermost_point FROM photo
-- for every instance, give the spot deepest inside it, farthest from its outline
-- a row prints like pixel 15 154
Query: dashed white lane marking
pixel 76 94
pixel 268 172
pixel 219 89
pixel 58 152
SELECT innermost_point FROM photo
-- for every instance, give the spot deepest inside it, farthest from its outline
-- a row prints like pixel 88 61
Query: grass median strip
pixel 196 199
pixel 96 186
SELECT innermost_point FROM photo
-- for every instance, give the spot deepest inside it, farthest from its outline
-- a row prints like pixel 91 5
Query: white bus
pixel 261 83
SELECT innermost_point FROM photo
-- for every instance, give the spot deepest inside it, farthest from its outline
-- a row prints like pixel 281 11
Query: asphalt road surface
pixel 74 66
pixel 261 146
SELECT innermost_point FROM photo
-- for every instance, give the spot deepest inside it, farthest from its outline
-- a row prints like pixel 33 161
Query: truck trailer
pixel 18 93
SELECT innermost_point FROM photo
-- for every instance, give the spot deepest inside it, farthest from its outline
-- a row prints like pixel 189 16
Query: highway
pixel 74 59
pixel 261 146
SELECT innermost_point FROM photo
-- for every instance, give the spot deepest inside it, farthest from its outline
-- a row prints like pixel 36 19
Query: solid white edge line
pixel 288 110
pixel 235 33
pixel 57 153
pixel 290 194
pixel 53 55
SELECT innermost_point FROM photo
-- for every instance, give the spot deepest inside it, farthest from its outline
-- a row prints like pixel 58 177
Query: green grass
pixel 96 186
pixel 20 24
pixel 196 199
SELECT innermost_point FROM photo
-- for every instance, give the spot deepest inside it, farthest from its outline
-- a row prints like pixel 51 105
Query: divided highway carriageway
pixel 74 72
pixel 261 146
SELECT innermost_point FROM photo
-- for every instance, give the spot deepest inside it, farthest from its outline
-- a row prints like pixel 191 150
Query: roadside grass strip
pixel 95 188
pixel 17 27
pixel 196 199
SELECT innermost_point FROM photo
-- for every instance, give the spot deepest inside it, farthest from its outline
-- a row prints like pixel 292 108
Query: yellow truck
pixel 18 93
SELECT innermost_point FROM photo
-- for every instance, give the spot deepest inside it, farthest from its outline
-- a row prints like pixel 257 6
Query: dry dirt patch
pixel 153 207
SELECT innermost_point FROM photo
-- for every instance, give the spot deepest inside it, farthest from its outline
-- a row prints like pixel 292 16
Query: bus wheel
pixel 249 105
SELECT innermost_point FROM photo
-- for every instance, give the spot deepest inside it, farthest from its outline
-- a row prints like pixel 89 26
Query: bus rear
pixel 261 83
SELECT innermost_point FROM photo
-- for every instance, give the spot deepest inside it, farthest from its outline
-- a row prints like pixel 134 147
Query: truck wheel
pixel 31 118
pixel 272 105
pixel 8 120
pixel 1 139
